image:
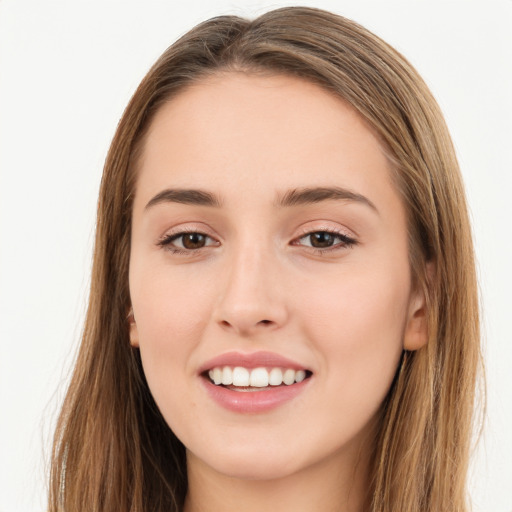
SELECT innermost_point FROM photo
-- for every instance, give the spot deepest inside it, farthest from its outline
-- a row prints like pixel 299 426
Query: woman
pixel 283 309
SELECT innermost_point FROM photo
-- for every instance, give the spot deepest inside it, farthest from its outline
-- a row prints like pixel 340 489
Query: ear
pixel 416 329
pixel 416 332
pixel 134 332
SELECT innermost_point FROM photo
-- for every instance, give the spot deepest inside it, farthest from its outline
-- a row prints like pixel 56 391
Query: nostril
pixel 246 328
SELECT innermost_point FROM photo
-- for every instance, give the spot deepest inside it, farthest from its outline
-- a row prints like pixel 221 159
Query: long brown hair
pixel 112 448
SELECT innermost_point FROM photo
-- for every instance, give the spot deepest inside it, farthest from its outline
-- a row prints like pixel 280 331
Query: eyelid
pixel 327 226
pixel 166 240
pixel 347 239
pixel 188 227
pixel 306 230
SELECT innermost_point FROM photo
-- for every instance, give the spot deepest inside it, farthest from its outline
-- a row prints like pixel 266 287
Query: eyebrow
pixel 294 197
pixel 185 196
pixel 303 196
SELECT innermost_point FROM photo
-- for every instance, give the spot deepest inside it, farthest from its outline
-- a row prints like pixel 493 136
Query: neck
pixel 328 486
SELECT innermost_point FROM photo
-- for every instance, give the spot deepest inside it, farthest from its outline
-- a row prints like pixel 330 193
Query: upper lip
pixel 253 360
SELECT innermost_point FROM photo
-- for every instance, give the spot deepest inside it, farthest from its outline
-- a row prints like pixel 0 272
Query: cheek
pixel 171 317
pixel 170 325
pixel 366 302
pixel 357 321
pixel 357 329
pixel 168 304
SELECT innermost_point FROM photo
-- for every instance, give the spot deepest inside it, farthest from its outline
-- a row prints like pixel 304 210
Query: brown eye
pixel 326 240
pixel 187 242
pixel 322 239
pixel 193 240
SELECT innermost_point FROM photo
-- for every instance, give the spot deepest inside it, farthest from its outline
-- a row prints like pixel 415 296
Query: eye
pixel 186 242
pixel 325 240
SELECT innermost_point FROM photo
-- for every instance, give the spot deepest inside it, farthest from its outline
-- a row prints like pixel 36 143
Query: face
pixel 269 275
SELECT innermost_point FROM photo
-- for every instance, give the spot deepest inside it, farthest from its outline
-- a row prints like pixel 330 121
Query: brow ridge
pixel 312 195
pixel 185 196
pixel 293 197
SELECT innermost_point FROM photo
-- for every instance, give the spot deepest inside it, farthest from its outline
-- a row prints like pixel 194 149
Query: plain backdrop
pixel 67 70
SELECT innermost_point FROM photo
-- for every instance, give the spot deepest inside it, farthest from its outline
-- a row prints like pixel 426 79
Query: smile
pixel 240 378
pixel 253 383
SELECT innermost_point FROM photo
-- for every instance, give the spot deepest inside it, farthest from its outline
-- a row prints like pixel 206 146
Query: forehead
pixel 245 132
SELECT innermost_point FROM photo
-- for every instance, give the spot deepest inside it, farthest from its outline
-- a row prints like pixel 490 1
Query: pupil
pixel 193 241
pixel 321 239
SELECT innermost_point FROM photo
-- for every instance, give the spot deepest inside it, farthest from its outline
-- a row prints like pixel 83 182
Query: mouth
pixel 254 383
pixel 239 378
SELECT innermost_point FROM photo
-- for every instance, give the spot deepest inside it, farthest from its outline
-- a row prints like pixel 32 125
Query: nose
pixel 252 298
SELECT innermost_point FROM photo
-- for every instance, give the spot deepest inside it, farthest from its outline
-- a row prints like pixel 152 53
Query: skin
pixel 345 313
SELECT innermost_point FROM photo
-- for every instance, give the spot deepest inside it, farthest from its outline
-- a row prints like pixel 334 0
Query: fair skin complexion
pixel 322 280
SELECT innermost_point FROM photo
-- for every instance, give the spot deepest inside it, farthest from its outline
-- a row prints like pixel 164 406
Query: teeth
pixel 300 376
pixel 257 377
pixel 289 377
pixel 227 376
pixel 241 376
pixel 217 375
pixel 275 377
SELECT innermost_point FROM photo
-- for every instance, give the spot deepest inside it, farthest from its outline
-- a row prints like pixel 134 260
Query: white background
pixel 67 70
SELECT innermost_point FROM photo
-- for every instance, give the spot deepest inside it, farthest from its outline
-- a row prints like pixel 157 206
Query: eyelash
pixel 167 240
pixel 346 242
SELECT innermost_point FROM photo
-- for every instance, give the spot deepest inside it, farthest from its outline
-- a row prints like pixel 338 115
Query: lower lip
pixel 254 401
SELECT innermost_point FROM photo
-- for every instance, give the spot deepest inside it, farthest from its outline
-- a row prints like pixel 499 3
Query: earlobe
pixel 134 332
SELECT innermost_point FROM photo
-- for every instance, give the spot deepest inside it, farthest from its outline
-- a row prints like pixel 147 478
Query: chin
pixel 261 470
pixel 244 463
